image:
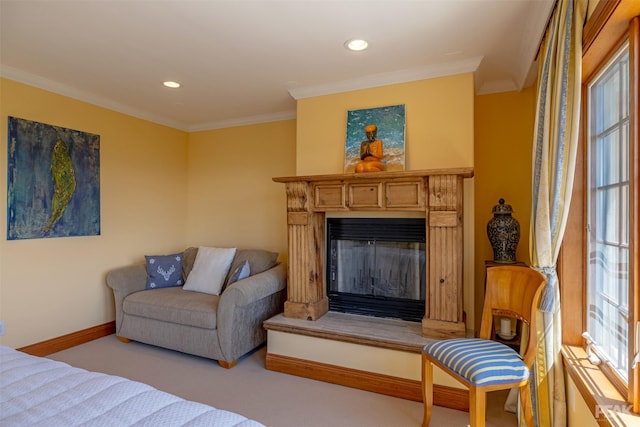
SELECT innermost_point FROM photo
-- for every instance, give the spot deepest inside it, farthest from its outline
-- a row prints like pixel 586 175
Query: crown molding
pixel 64 90
pixel 384 79
pixel 243 121
pixel 497 86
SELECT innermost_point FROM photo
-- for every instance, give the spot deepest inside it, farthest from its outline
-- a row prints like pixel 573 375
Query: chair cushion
pixel 174 305
pixel 480 362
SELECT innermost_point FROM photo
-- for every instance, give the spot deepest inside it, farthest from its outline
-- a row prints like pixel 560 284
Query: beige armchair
pixel 221 327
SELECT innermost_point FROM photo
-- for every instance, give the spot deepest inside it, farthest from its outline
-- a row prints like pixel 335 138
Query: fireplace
pixel 376 266
pixel 436 194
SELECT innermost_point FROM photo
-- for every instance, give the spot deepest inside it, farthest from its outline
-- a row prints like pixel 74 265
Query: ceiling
pixel 248 61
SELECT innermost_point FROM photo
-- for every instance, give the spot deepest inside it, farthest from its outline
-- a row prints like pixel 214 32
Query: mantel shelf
pixel 463 172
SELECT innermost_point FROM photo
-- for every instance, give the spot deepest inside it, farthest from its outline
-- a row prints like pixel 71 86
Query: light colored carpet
pixel 272 398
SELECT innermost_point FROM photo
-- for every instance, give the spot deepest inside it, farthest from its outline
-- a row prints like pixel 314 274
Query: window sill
pixel 607 405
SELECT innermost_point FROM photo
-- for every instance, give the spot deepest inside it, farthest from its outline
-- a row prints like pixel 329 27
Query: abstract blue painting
pixel 53 181
pixel 390 122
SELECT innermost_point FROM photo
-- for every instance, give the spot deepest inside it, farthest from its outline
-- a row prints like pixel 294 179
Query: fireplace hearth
pixel 376 267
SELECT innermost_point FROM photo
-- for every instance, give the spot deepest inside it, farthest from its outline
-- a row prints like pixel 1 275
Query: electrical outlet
pixel 2 329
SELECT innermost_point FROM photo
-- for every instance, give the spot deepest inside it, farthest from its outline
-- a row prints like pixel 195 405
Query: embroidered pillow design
pixel 164 271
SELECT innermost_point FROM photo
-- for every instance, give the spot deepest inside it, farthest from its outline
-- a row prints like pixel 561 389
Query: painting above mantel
pixel 383 147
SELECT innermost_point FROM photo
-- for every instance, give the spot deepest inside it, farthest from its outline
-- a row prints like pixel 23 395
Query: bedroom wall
pixel 439 124
pixel 232 199
pixel 55 286
pixel 248 156
pixel 503 167
pixel 439 133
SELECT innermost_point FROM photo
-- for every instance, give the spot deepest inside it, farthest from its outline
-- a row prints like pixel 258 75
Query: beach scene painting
pixel 390 124
pixel 53 181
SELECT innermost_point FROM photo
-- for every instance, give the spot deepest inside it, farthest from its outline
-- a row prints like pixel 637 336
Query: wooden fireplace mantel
pixel 436 192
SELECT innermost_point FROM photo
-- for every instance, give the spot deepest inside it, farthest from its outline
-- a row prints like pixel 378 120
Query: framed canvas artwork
pixel 375 139
pixel 53 181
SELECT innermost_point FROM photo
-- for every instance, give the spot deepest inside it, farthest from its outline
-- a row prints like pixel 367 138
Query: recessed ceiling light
pixel 356 44
pixel 172 85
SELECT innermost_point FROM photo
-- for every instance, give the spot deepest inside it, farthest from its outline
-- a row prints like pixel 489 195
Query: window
pixel 599 265
pixel 608 214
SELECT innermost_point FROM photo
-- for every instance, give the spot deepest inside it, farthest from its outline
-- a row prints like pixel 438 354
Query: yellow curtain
pixel 554 154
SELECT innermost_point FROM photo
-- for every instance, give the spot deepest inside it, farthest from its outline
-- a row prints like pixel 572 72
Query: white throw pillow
pixel 209 270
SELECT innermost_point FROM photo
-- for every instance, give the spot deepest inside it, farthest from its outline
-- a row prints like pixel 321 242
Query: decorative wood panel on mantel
pixel 436 192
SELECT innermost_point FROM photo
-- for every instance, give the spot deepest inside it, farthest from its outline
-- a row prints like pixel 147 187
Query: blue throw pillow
pixel 242 272
pixel 164 271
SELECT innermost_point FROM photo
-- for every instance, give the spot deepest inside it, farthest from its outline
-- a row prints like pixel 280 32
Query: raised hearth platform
pixel 378 332
pixel 369 335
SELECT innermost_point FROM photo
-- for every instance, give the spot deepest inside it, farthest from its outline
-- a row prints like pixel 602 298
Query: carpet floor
pixel 272 398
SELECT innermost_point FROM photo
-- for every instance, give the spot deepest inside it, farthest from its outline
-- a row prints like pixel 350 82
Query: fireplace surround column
pixel 444 317
pixel 306 297
pixel 438 193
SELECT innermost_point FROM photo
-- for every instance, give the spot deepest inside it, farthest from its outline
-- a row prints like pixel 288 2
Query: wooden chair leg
pixel 427 390
pixel 477 407
pixel 525 402
pixel 124 340
pixel 227 365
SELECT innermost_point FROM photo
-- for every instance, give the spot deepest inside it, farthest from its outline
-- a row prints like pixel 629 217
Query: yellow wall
pixel 438 134
pixel 227 175
pixel 230 183
pixel 161 191
pixel 439 124
pixel 51 287
pixel 503 167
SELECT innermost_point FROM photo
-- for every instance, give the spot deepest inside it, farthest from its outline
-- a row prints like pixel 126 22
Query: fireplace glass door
pixel 376 266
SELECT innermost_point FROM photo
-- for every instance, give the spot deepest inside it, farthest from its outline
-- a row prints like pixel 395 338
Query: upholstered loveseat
pixel 221 327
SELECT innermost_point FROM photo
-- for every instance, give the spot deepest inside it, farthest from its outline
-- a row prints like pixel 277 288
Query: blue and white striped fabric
pixel 481 362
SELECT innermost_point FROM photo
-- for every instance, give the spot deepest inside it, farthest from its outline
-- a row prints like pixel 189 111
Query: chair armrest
pixel 243 308
pixel 128 279
pixel 254 288
pixel 125 281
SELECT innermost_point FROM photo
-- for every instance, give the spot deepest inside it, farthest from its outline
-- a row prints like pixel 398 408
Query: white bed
pixel 36 391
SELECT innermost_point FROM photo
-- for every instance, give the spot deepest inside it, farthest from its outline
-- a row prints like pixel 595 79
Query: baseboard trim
pixel 73 339
pixel 444 396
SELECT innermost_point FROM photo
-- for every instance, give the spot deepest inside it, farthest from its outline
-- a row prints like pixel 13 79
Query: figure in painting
pixel 371 152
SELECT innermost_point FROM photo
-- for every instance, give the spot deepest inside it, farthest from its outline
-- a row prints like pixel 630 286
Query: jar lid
pixel 501 208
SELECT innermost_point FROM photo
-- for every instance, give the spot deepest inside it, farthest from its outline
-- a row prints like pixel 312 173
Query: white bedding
pixel 36 391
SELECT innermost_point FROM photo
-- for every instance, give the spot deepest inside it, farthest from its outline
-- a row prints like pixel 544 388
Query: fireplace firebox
pixel 376 266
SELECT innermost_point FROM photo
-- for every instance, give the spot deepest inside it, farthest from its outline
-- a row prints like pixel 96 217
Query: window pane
pixel 608 152
pixel 606 224
pixel 608 273
pixel 624 173
pixel 609 111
